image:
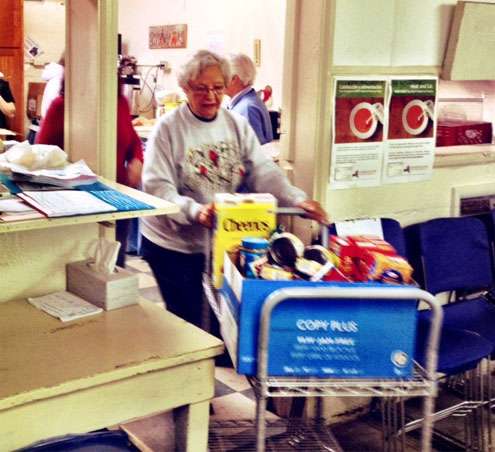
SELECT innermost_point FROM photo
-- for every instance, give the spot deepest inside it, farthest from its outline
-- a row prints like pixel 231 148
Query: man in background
pixel 244 99
pixel 7 106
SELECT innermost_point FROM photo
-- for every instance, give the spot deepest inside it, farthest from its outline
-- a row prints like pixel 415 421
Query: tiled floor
pixel 234 401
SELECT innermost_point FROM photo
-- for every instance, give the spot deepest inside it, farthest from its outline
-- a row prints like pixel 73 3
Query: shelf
pixel 464 155
pixel 162 207
pixel 465 150
pixel 418 385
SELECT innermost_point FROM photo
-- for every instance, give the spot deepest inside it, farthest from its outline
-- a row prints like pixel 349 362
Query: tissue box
pixel 105 291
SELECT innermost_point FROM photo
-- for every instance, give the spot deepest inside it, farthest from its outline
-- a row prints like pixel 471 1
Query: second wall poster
pixel 383 130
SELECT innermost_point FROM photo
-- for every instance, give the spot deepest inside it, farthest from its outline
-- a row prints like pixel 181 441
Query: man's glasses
pixel 204 90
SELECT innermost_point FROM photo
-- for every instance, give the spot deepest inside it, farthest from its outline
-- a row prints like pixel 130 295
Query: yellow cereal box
pixel 239 216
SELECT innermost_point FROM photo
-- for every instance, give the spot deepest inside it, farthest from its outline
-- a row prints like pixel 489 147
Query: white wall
pixel 222 25
pixel 381 33
pixel 392 32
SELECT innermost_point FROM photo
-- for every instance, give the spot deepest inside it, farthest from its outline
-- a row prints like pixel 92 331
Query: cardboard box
pixel 238 216
pixel 34 98
pixel 105 291
pixel 458 133
pixel 339 338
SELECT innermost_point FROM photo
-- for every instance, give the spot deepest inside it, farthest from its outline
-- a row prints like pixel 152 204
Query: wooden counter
pixel 58 378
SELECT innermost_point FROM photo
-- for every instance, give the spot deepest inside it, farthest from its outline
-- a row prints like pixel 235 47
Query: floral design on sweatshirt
pixel 214 168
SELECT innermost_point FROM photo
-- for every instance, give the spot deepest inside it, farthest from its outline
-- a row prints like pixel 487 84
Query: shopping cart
pixel 303 435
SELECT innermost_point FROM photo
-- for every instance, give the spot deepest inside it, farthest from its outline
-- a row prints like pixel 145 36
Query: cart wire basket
pixel 312 435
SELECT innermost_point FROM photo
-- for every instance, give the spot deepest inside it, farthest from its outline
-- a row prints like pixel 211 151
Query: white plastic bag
pixel 37 156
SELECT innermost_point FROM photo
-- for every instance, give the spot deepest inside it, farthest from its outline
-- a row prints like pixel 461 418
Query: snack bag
pixel 345 251
pixel 371 243
pixel 375 266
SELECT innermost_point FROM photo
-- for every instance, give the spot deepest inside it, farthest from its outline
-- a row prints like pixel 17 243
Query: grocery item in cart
pixel 252 249
pixel 275 273
pixel 285 248
pixel 375 266
pixel 345 252
pixel 317 253
pixel 238 216
pixel 307 268
pixel 369 258
pixel 352 338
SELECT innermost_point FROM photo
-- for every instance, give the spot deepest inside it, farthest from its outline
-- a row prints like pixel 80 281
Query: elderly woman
pixel 193 152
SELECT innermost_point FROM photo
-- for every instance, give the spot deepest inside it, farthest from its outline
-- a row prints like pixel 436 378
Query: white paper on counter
pixel 65 306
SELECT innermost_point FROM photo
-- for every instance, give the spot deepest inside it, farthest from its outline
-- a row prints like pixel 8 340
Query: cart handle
pixel 290 211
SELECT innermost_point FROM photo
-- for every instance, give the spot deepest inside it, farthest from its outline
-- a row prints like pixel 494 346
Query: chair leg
pixel 489 412
pixel 477 420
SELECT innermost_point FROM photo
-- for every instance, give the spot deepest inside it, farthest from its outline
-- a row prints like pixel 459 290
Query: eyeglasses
pixel 204 90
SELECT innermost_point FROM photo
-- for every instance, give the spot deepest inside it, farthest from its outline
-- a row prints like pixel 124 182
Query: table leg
pixel 191 427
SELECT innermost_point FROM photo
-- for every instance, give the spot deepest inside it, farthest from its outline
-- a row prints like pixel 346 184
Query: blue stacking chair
pixel 460 351
pixel 454 256
pixel 489 222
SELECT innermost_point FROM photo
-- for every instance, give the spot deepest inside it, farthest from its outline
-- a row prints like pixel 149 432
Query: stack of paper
pixel 65 305
pixel 62 203
pixel 72 175
pixel 13 209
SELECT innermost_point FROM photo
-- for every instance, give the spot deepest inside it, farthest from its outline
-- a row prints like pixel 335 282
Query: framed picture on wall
pixel 168 36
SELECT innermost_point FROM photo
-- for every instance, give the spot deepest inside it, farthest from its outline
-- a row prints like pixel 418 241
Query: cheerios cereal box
pixel 237 216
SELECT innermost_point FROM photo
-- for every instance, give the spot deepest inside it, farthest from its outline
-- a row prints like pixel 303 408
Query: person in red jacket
pixel 129 152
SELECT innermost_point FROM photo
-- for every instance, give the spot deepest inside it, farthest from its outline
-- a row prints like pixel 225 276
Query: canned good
pixel 317 253
pixel 273 273
pixel 307 268
pixel 285 248
pixel 252 248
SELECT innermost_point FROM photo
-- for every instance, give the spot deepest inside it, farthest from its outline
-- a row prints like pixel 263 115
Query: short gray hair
pixel 202 59
pixel 242 66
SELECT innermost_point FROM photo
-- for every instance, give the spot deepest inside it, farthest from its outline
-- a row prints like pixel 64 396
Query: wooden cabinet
pixel 12 58
pixel 11 24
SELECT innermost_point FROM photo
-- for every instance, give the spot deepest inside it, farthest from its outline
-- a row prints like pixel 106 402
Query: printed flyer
pixel 359 128
pixel 410 145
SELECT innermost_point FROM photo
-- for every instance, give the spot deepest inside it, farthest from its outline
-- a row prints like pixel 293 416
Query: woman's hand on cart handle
pixel 206 215
pixel 314 211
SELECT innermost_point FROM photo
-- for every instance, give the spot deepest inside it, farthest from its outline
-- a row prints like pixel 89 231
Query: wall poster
pixel 410 147
pixel 168 37
pixel 358 132
pixel 383 130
